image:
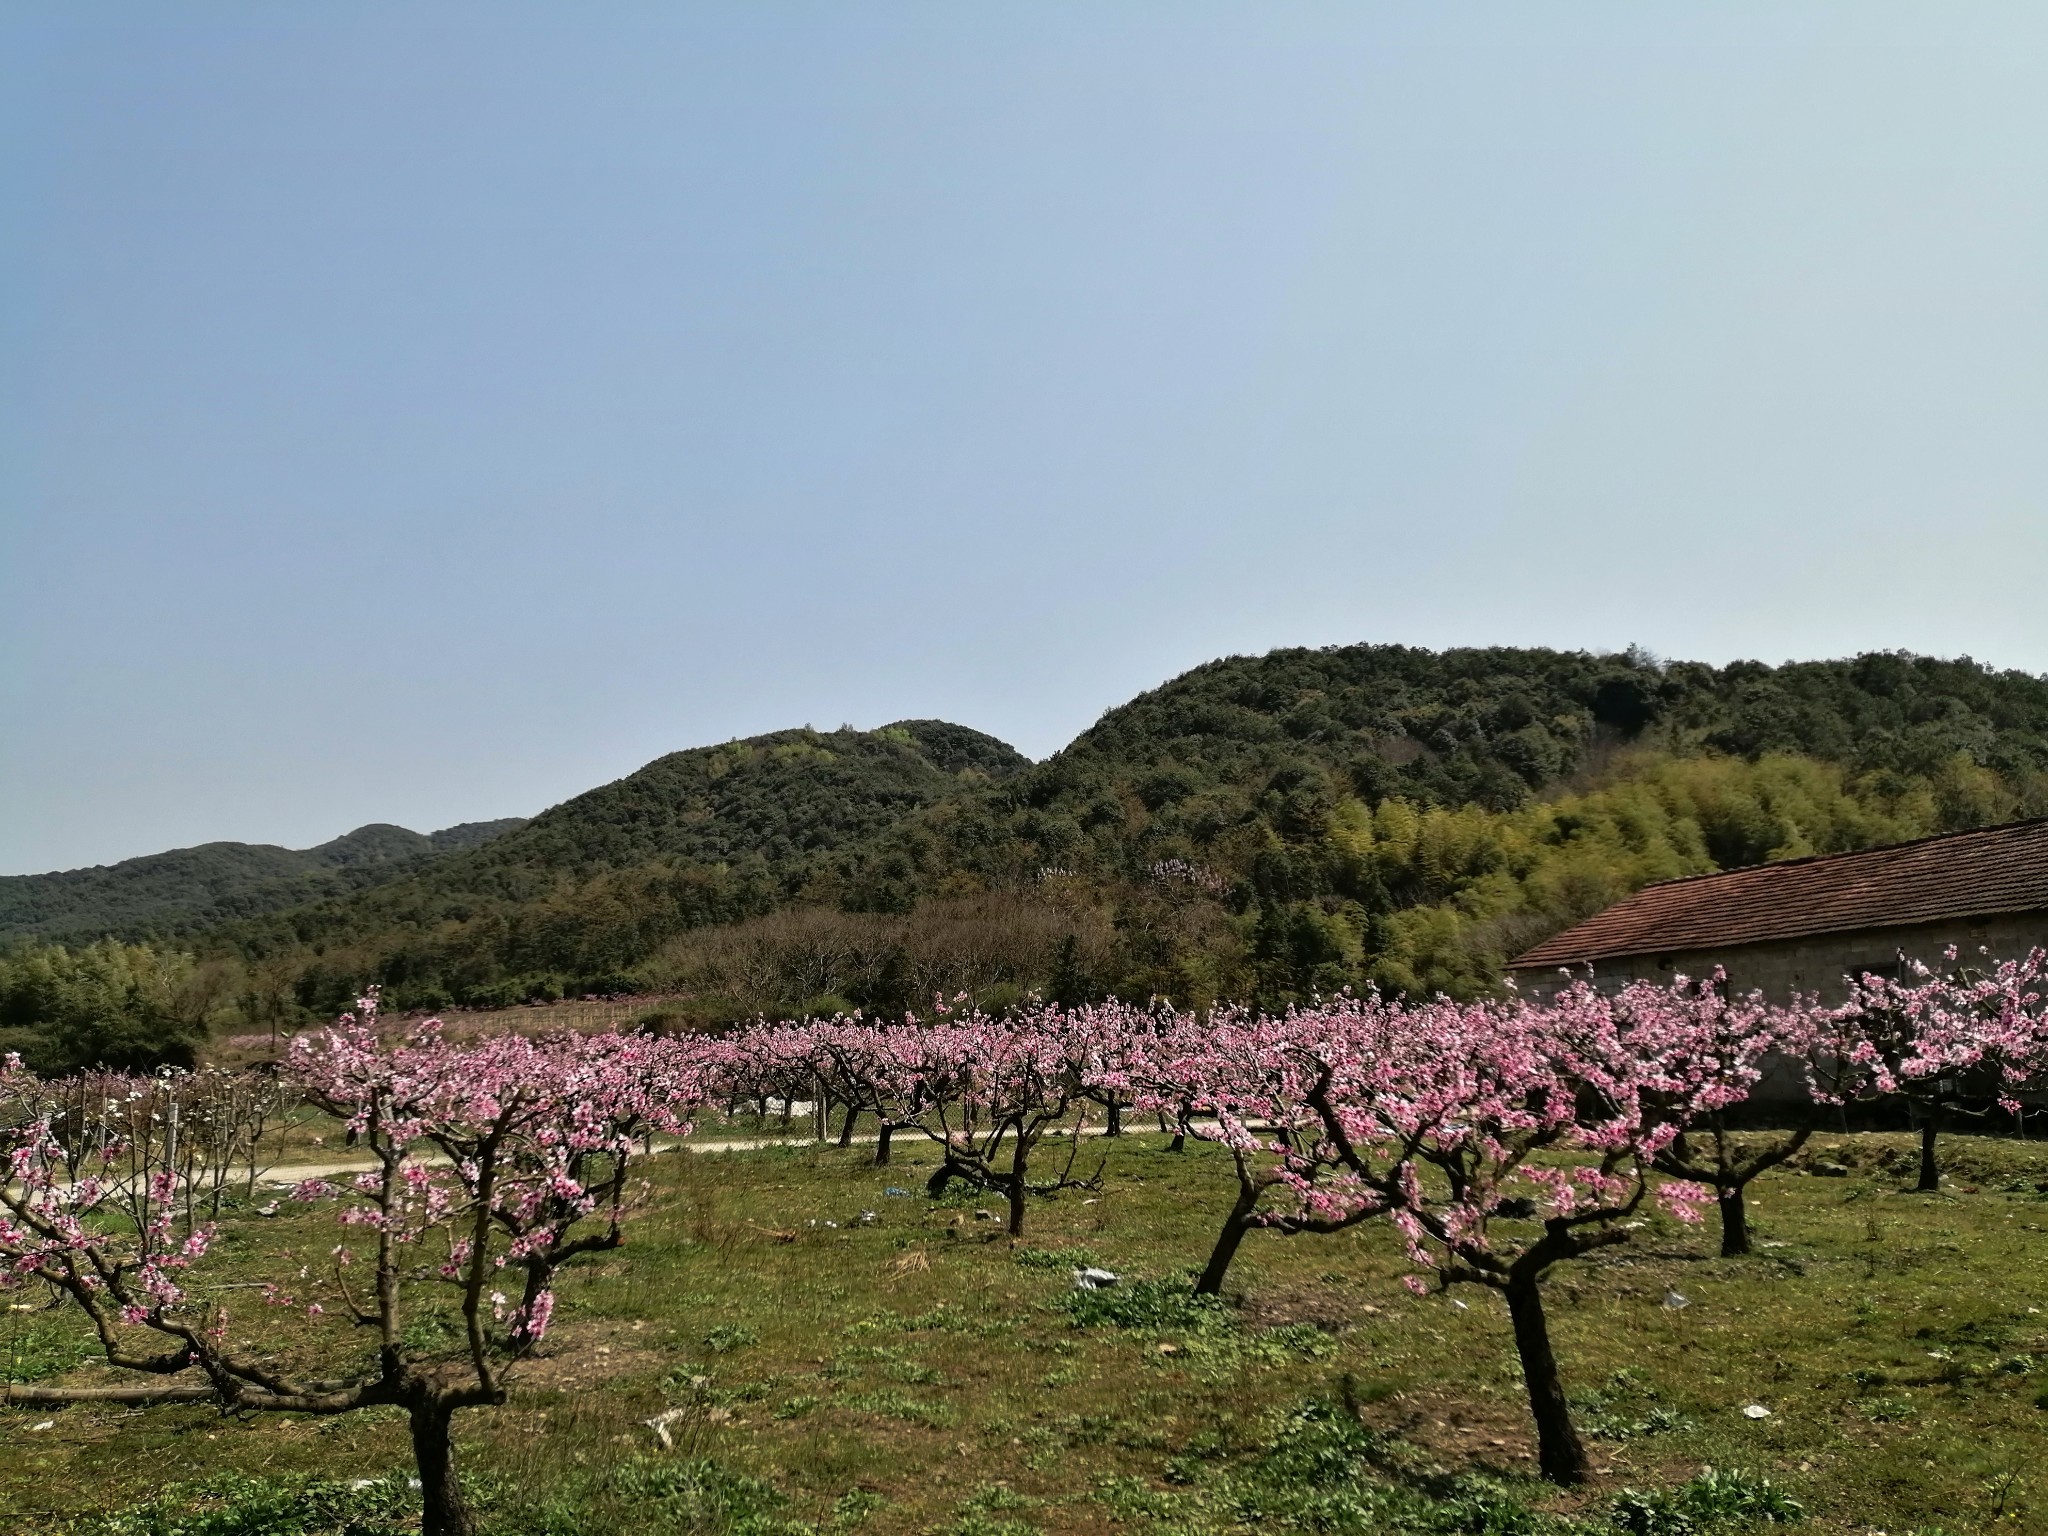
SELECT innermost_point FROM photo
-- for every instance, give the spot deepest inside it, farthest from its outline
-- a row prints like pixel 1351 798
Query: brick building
pixel 1801 925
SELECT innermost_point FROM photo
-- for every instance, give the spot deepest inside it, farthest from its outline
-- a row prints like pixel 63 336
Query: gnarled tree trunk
pixel 947 1171
pixel 1560 1454
pixel 1018 1158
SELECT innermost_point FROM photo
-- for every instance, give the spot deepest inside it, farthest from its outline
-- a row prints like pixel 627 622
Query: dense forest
pixel 1261 827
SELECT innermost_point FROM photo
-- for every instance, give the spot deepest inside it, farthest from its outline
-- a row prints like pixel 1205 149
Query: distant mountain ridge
pixel 165 895
pixel 1248 774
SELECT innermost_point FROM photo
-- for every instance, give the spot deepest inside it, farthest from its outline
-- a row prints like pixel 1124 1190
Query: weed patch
pixel 46 1346
pixel 1319 1470
pixel 234 1505
pixel 1711 1503
pixel 900 1405
pixel 1057 1260
pixel 1199 1331
pixel 1153 1305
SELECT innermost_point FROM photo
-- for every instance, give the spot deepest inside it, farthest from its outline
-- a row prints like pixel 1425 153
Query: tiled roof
pixel 1962 874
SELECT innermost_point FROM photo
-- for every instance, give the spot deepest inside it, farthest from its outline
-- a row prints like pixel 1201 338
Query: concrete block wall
pixel 1817 963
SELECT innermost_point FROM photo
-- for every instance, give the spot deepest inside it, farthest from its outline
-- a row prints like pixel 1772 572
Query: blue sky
pixel 423 413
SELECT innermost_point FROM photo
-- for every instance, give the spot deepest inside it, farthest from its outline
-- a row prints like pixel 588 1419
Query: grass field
pixel 912 1371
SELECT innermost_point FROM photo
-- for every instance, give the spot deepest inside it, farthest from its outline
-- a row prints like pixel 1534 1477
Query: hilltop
pixel 1241 757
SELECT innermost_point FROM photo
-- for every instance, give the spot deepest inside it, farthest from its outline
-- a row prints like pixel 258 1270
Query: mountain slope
pixel 164 895
pixel 772 801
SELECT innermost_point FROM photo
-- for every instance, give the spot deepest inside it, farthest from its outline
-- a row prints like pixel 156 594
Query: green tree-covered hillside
pixel 576 897
pixel 1262 828
pixel 164 895
pixel 1205 837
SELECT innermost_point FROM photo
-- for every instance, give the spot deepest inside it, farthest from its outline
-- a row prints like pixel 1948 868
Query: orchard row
pixel 1498 1139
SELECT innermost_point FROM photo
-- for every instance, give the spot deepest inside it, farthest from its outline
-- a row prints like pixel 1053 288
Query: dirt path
pixel 295 1173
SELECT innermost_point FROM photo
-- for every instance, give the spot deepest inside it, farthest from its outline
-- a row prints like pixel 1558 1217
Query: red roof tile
pixel 1962 874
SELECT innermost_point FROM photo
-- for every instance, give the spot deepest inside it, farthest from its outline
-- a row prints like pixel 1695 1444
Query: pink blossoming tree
pixel 491 1166
pixel 1713 1050
pixel 1244 1082
pixel 1962 1040
pixel 990 1090
pixel 1505 1140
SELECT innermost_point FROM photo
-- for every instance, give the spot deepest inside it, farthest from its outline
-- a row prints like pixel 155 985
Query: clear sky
pixel 423 413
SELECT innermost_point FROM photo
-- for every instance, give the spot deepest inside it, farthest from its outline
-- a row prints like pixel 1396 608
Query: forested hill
pixel 1262 827
pixel 1271 827
pixel 164 895
pixel 587 888
pixel 1272 824
pixel 1241 761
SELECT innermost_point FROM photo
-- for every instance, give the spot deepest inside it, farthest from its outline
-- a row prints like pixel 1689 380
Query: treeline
pixel 1402 895
pixel 1252 771
pixel 133 1007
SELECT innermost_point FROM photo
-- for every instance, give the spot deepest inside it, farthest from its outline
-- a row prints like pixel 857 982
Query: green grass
pixel 40 1343
pixel 921 1374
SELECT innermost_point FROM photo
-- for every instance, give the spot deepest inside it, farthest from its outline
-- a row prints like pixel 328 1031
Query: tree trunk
pixel 537 1279
pixel 1179 1142
pixel 1930 1171
pixel 882 1144
pixel 1734 1222
pixel 443 1510
pixel 1235 1225
pixel 1115 1127
pixel 846 1126
pixel 1559 1454
pixel 1017 1160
